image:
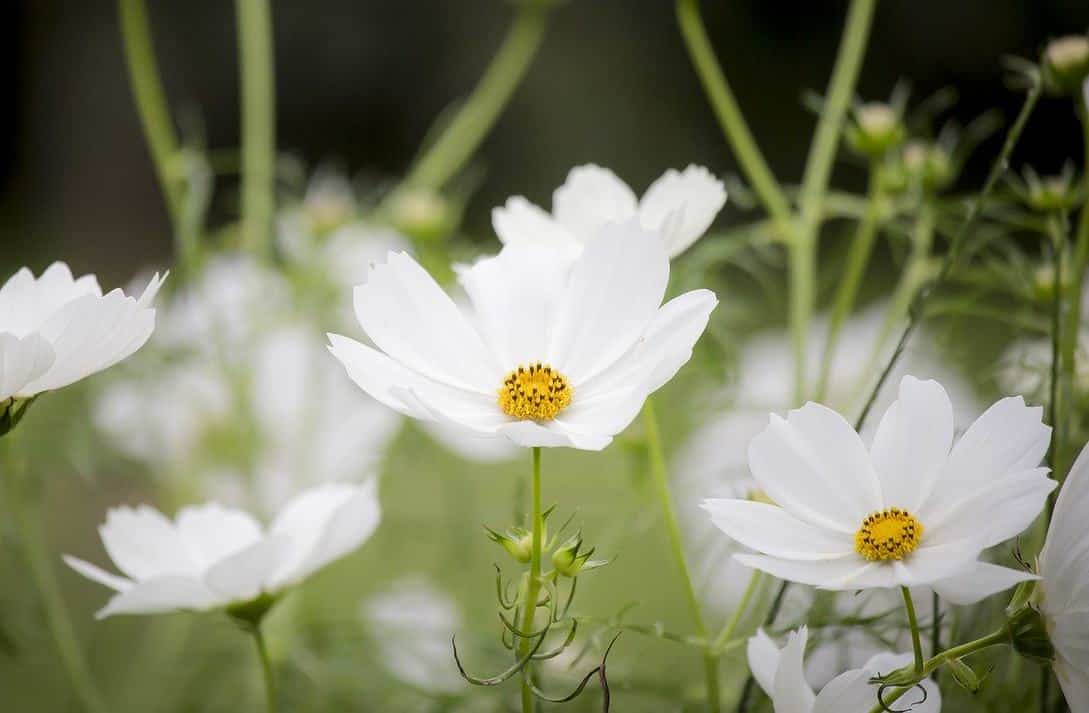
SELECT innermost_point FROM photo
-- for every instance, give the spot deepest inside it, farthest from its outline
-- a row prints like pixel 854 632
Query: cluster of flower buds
pixel 569 558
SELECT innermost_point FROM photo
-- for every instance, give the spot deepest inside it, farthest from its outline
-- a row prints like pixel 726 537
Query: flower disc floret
pixel 536 392
pixel 890 534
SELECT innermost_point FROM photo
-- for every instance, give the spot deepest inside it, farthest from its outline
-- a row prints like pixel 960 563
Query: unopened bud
pixel 928 165
pixel 570 561
pixel 876 129
pixel 965 677
pixel 1066 64
pixel 421 214
pixel 517 541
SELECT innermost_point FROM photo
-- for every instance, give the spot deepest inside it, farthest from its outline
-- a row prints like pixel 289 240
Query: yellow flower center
pixel 890 534
pixel 536 392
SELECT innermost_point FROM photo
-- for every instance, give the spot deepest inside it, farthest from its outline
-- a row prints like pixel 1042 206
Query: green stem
pixel 1079 265
pixel 727 634
pixel 25 511
pixel 533 587
pixel 1056 397
pixel 258 122
pixel 151 103
pixel 858 256
pixel 818 169
pixel 660 475
pixel 448 154
pixel 996 638
pixel 730 118
pixel 935 626
pixel 266 668
pixel 913 622
pixel 998 169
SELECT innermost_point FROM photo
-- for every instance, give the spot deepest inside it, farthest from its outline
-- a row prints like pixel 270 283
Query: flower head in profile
pixel 550 352
pixel 56 329
pixel 680 206
pixel 913 509
pixel 781 673
pixel 214 557
pixel 1063 591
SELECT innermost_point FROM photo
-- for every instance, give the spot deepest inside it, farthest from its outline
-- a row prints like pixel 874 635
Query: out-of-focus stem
pixel 25 510
pixel 533 587
pixel 998 169
pixel 730 118
pixel 818 169
pixel 151 104
pixel 266 668
pixel 461 138
pixel 858 257
pixel 727 634
pixel 1056 385
pixel 660 475
pixel 255 59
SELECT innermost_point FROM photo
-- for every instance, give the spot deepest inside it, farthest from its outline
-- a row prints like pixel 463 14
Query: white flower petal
pixel 815 466
pixel 694 195
pixel 530 434
pixel 26 302
pixel 1064 561
pixel 790 691
pixel 605 415
pixel 591 197
pixel 849 692
pixel 1074 681
pixel 763 656
pixel 519 222
pixel 615 290
pixel 978 582
pixel 471 445
pixel 157 595
pixel 143 544
pixel 22 361
pixel 324 524
pixel 408 316
pixel 828 574
pixel 912 443
pixel 999 512
pixel 930 563
pixel 241 576
pixel 1007 438
pixel 97 574
pixel 773 531
pixel 213 532
pixel 515 296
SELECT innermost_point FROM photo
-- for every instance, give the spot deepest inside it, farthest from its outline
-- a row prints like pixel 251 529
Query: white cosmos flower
pixel 910 510
pixel 56 330
pixel 1064 586
pixel 680 206
pixel 781 673
pixel 211 557
pixel 552 353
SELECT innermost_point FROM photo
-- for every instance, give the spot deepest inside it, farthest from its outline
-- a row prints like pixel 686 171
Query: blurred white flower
pixel 56 330
pixel 680 206
pixel 780 672
pixel 1064 585
pixel 413 624
pixel 554 353
pixel 213 557
pixel 906 512
pixel 1025 368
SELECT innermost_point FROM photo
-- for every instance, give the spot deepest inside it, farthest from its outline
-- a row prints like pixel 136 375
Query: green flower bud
pixel 569 561
pixel 965 677
pixel 1066 64
pixel 876 129
pixel 517 541
pixel 1051 193
pixel 12 411
pixel 928 165
pixel 1029 634
pixel 421 214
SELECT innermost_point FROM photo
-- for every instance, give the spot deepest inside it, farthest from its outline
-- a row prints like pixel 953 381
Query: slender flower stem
pixel 997 638
pixel 916 313
pixel 730 118
pixel 1079 269
pixel 266 668
pixel 858 257
pixel 935 626
pixel 533 588
pixel 258 122
pixel 151 104
pixel 660 475
pixel 913 622
pixel 448 154
pixel 1056 397
pixel 818 169
pixel 727 634
pixel 769 619
pixel 25 511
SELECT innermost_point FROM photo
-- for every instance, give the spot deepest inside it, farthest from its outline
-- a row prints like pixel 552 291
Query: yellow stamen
pixel 890 534
pixel 536 392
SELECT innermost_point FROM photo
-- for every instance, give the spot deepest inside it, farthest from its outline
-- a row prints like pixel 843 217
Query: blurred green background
pixel 358 84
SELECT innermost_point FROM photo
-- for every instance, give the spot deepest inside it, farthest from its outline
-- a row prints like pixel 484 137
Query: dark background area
pixel 360 82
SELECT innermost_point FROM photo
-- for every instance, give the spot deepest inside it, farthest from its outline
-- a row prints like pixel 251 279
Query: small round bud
pixel 1066 64
pixel 421 214
pixel 876 129
pixel 1051 193
pixel 928 165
